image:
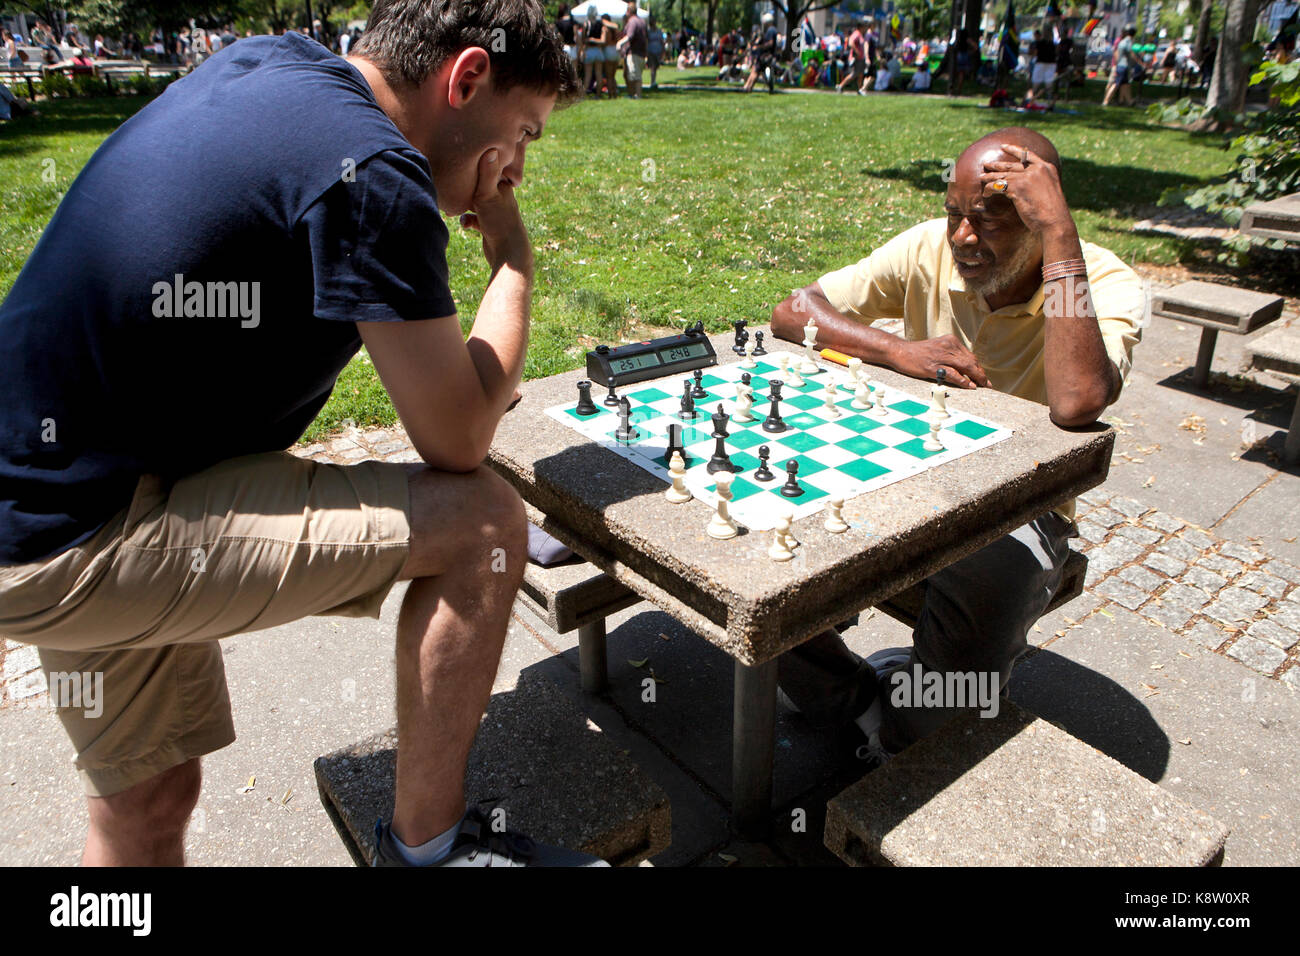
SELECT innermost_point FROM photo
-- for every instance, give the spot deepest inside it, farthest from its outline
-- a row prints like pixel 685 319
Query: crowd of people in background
pixel 857 56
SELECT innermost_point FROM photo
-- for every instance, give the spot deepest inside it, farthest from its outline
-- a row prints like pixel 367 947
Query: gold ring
pixel 999 185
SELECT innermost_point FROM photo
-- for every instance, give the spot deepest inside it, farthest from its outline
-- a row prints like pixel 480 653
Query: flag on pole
pixel 1010 56
pixel 896 28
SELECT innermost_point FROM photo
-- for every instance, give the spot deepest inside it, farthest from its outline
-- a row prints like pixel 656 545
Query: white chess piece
pixel 784 361
pixel 780 551
pixel 790 541
pixel 807 364
pixel 832 410
pixel 744 402
pixel 677 471
pixel 792 376
pixel 721 525
pixel 878 406
pixel 835 522
pixel 862 394
pixel 932 442
pixel 938 402
pixel 748 361
pixel 855 369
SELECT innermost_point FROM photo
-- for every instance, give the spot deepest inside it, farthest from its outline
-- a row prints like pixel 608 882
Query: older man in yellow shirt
pixel 1000 294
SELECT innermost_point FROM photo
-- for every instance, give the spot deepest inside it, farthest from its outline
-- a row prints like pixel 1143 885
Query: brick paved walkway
pixel 1224 594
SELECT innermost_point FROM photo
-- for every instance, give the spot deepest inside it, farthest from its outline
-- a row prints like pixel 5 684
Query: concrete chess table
pixel 615 515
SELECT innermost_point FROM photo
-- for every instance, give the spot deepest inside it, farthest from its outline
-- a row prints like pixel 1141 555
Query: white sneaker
pixel 869 722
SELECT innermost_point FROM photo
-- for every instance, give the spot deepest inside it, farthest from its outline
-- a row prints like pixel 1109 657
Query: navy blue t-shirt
pixel 194 295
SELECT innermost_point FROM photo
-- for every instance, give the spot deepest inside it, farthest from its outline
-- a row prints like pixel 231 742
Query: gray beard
pixel 1007 274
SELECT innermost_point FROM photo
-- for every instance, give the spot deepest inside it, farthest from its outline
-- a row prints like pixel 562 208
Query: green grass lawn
pixel 700 204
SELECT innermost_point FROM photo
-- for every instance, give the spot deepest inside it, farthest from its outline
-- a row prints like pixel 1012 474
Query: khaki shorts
pixel 633 67
pixel 251 543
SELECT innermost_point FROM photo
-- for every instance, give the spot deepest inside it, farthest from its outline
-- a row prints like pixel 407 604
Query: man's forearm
pixel 834 331
pixel 498 342
pixel 1081 379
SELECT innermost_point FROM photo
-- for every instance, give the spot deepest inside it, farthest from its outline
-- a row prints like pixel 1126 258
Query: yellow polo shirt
pixel 912 278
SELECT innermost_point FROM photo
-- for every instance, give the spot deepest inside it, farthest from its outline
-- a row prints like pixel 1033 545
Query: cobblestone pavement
pixel 1227 595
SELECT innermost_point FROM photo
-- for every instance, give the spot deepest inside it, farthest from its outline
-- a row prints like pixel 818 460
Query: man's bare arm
pixel 921 359
pixel 450 393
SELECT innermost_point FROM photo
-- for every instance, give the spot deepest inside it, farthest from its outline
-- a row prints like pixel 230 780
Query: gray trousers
pixel 974 620
pixel 976 616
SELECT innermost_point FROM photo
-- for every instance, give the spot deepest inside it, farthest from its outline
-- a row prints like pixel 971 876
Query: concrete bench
pixel 1277 219
pixel 1014 790
pixel 539 759
pixel 1216 308
pixel 1279 352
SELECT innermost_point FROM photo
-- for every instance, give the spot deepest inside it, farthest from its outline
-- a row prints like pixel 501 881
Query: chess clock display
pixel 639 361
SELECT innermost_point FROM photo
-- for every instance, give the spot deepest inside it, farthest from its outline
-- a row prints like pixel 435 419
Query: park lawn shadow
pixel 99 116
pixel 1088 185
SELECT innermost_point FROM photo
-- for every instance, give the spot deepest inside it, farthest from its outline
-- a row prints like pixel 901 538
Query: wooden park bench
pixel 1278 352
pixel 1216 308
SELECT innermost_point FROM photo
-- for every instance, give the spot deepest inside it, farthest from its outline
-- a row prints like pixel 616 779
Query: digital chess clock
pixel 639 361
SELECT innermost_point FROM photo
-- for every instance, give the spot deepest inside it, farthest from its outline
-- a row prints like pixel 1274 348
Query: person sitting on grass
pixel 146 510
pixel 921 78
pixel 1000 293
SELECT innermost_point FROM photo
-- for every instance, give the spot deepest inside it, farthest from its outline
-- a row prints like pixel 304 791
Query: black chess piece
pixel 745 378
pixel 611 398
pixel 739 346
pixel 762 472
pixel 774 422
pixel 585 405
pixel 758 344
pixel 688 413
pixel 625 431
pixel 791 487
pixel 720 461
pixel 698 391
pixel 674 444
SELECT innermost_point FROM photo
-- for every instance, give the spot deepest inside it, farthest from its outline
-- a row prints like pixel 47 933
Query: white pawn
pixel 932 442
pixel 878 406
pixel 835 523
pixel 721 525
pixel 744 402
pixel 855 369
pixel 748 361
pixel 677 471
pixel 938 402
pixel 832 410
pixel 792 376
pixel 780 551
pixel 784 361
pixel 790 541
pixel 862 394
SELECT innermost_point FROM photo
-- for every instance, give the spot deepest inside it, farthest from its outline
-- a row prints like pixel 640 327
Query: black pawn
pixel 758 344
pixel 774 422
pixel 791 487
pixel 674 444
pixel 585 405
pixel 698 391
pixel 611 398
pixel 688 413
pixel 720 461
pixel 625 430
pixel 744 378
pixel 762 472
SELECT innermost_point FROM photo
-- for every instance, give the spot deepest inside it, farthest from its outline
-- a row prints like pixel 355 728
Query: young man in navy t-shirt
pixel 165 344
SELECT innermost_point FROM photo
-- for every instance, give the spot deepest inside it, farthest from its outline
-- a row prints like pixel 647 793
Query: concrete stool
pixel 537 757
pixel 1277 219
pixel 1014 790
pixel 1279 352
pixel 1215 308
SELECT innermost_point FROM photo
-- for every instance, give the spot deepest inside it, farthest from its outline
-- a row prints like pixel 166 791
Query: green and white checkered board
pixel 847 456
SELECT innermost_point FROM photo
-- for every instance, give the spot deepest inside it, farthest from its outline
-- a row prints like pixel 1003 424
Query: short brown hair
pixel 409 40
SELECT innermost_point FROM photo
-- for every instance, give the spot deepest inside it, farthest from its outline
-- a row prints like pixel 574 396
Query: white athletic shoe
pixel 873 751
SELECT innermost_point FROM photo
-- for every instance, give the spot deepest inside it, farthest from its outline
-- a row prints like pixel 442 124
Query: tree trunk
pixel 1231 73
pixel 1202 30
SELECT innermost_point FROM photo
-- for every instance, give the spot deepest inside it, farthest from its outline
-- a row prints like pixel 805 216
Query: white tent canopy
pixel 615 8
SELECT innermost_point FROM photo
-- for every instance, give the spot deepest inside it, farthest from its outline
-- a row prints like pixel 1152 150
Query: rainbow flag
pixel 896 28
pixel 1090 26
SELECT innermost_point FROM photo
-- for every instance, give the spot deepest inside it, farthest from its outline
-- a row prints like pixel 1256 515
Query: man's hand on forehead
pixel 1030 183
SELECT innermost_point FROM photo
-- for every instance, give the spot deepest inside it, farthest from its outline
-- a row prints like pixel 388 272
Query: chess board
pixel 845 456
